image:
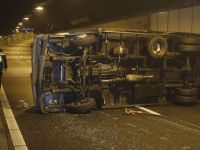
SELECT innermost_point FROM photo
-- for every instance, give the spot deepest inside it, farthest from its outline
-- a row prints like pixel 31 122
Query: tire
pixel 189 40
pixel 189 48
pixel 76 42
pixel 157 47
pixel 185 99
pixel 186 92
pixel 83 107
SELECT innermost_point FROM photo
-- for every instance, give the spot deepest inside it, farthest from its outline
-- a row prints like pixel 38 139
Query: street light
pixel 39 8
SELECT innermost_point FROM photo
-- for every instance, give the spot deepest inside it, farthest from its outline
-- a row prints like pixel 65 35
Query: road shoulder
pixel 13 134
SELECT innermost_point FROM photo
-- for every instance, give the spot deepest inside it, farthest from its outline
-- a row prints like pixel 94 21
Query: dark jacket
pixel 3 60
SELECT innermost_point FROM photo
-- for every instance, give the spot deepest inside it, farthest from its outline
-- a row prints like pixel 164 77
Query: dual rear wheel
pixel 186 96
pixel 189 44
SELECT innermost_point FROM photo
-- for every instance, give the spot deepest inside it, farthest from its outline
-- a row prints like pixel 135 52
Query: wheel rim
pixel 158 48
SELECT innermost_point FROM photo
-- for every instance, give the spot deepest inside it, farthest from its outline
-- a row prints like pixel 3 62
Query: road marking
pixel 4 47
pixel 132 125
pixel 178 125
pixel 105 114
pixel 16 52
pixel 18 57
pixel 13 128
pixel 149 111
pixel 109 115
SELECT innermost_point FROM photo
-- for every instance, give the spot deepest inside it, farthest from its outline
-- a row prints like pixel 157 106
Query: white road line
pixel 109 115
pixel 149 111
pixel 18 56
pixel 16 52
pixel 4 47
pixel 13 128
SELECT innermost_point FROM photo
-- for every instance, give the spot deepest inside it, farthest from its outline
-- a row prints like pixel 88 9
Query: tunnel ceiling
pixel 69 14
pixel 12 11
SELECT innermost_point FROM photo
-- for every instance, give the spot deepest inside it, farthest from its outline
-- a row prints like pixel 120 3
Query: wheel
pixel 185 99
pixel 82 40
pixel 189 40
pixel 189 48
pixel 186 92
pixel 157 47
pixel 83 106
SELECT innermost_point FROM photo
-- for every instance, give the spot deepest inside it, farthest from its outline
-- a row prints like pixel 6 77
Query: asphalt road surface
pixel 174 127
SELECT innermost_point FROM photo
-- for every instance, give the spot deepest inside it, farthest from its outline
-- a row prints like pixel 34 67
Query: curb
pixel 13 133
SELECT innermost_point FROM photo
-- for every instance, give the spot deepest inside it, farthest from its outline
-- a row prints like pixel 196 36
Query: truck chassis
pixel 114 68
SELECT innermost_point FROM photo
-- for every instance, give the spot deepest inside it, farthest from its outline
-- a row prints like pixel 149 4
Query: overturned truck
pixel 114 68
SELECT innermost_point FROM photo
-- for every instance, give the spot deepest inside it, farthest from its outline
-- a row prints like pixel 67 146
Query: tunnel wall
pixel 179 20
pixel 14 38
pixel 141 22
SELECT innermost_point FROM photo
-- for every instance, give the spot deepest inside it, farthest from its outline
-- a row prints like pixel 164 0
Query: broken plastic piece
pixel 21 100
pixel 132 112
pixel 24 104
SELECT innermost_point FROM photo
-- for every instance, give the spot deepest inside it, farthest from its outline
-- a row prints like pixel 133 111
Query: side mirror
pixel 49 27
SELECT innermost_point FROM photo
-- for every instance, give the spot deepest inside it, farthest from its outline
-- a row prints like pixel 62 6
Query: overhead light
pixel 26 18
pixel 39 8
pixel 20 24
pixel 62 34
pixel 162 12
pixel 17 27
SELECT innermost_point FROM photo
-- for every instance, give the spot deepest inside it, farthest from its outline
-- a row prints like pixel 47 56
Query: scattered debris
pixel 132 112
pixel 21 101
pixel 24 104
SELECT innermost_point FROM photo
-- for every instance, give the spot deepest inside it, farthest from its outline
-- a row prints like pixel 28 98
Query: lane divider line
pixel 14 136
pixel 4 48
pixel 108 115
pixel 148 110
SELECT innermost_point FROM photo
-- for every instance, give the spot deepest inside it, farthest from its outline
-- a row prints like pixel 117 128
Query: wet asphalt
pixel 177 128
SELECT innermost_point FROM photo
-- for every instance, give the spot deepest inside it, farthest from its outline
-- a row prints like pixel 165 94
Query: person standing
pixel 3 64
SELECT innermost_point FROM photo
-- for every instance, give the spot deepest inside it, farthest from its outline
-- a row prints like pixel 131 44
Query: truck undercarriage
pixel 114 68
